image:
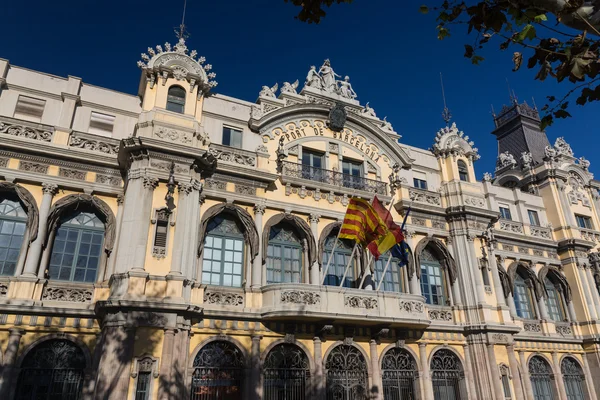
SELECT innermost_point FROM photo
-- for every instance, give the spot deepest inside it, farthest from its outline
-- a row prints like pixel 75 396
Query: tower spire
pixel 511 94
pixel 446 116
pixel 182 33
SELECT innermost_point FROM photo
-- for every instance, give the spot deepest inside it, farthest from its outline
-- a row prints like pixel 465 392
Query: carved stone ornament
pixel 506 159
pixel 500 337
pixel 100 146
pixel 527 159
pixel 360 302
pixel 68 294
pixel 564 329
pixel 535 327
pixel 449 141
pixel 514 227
pixel 440 315
pixel 3 289
pixel 300 297
pixel 245 189
pixel 214 184
pixel 411 306
pixel 71 173
pixel 337 117
pixel 540 232
pixel 173 135
pixel 475 201
pixel 289 87
pixel 267 91
pixel 422 196
pixel 108 180
pixel 33 167
pixel 233 156
pixel 25 132
pixel 487 177
pixel 223 298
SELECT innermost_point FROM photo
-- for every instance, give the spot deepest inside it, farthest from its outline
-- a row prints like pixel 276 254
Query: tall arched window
pixel 523 295
pixel 463 171
pixel 13 220
pixel 223 256
pixel 556 304
pixel 399 374
pixel 541 382
pixel 433 280
pixel 218 372
pixel 447 376
pixel 176 99
pixel 77 247
pixel 52 370
pixel 393 281
pixel 347 374
pixel 284 255
pixel 574 378
pixel 286 373
pixel 341 257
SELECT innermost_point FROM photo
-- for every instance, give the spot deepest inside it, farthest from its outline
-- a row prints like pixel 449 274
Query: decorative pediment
pixel 449 141
pixel 176 62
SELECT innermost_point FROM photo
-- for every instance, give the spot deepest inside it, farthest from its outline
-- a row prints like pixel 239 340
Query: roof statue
pixel 527 159
pixel 449 141
pixel 562 147
pixel 313 79
pixel 328 76
pixel 585 164
pixel 487 177
pixel 386 125
pixel 174 61
pixel 268 91
pixel 289 87
pixel 345 89
pixel 505 160
pixel 368 111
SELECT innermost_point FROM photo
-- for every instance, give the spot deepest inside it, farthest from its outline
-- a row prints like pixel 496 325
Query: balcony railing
pixel 334 178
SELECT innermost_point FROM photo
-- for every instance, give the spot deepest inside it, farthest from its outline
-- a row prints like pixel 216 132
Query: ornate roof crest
pixel 176 62
pixel 450 141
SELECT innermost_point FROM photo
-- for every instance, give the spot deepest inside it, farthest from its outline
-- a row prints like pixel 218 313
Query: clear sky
pixel 389 50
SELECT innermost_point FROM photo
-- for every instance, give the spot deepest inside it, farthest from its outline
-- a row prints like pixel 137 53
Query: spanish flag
pixel 363 225
pixel 387 218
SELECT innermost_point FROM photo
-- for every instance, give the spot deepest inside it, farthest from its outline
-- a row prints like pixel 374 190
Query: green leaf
pixel 540 18
pixel 547 120
pixel 477 59
pixel 443 33
pixel 469 51
pixel 528 32
pixel 561 114
pixel 424 9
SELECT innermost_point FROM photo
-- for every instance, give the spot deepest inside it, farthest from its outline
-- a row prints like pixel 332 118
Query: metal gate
pixel 347 376
pixel 446 375
pixel 574 378
pixel 218 372
pixel 539 374
pixel 286 373
pixel 398 373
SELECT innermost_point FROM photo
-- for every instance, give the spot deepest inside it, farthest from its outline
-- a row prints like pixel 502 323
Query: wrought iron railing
pixel 335 178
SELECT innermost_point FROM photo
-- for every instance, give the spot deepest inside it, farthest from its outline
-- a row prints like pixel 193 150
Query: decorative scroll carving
pixel 86 143
pixel 418 221
pixel 540 232
pixel 159 252
pixel 514 227
pixel 300 297
pixel 173 135
pixel 3 162
pixel 441 315
pixel 76 295
pixel 360 302
pixel 488 289
pixel 108 180
pixel 500 337
pixel 532 327
pixel 245 189
pixel 422 196
pixel 475 201
pixel 523 250
pixel 224 298
pixel 213 184
pixel 25 131
pixel 33 167
pixel 411 306
pixel 3 289
pixel 564 329
pixel 235 156
pixel 72 174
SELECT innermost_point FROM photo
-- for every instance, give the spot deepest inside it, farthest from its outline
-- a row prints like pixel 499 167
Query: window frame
pixel 137 365
pixel 528 294
pixel 16 220
pixel 379 266
pixel 340 251
pixel 159 251
pixel 420 183
pixel 584 220
pixel 505 212
pixel 555 301
pixel 231 143
pixel 179 101
pixel 282 246
pixel 442 275
pixel 463 171
pixel 224 237
pixel 534 218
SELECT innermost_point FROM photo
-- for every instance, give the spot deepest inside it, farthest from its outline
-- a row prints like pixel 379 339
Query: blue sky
pixel 389 50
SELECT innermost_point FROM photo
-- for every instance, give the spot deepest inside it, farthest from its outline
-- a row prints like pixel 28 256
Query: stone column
pixel 589 380
pixel 166 364
pixel 257 267
pixel 456 295
pixel 8 376
pixel 315 275
pixel 110 269
pixel 558 377
pixel 255 374
pixel 525 370
pixel 319 381
pixel 515 372
pixel 498 390
pixel 469 373
pixel 586 290
pixel 511 305
pixel 115 363
pixel 564 202
pixel 593 291
pixel 475 270
pixel 183 243
pixel 377 388
pixel 571 311
pixel 425 376
pixel 35 249
pixel 498 290
pixel 543 309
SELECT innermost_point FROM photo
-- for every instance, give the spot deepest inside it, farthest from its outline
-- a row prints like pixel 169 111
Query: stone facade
pixel 154 243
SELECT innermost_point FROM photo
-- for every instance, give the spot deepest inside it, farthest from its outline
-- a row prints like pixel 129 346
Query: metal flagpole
pixel 331 255
pixel 348 266
pixel 387 265
pixel 362 281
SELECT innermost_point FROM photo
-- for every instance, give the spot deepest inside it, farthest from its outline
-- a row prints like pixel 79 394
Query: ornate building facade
pixel 181 244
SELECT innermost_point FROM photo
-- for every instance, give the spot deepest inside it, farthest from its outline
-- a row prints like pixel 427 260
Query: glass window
pixel 533 218
pixel 574 379
pixel 506 386
pixel 176 99
pixel 232 137
pixel 505 213
pixel 447 376
pixel 286 373
pixel 463 171
pixel 556 310
pixel 219 369
pixel 223 256
pixel 584 221
pixel 284 256
pixel 13 221
pixel 77 248
pixel 393 280
pixel 420 183
pixel 341 257
pixel 352 174
pixel 523 299
pixel 312 164
pixel 142 389
pixel 541 380
pixel 433 286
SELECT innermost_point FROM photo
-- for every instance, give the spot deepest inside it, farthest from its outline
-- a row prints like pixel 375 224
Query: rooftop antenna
pixel 493 112
pixel 534 105
pixel 511 93
pixel 182 33
pixel 446 116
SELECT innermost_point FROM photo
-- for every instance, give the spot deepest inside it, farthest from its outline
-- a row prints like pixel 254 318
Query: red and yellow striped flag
pixel 363 225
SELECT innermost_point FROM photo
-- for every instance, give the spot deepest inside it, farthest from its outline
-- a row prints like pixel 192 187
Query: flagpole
pixel 368 267
pixel 387 265
pixel 348 266
pixel 331 255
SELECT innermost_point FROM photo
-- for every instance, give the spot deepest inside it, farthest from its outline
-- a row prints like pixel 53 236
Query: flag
pixel 363 225
pixel 400 250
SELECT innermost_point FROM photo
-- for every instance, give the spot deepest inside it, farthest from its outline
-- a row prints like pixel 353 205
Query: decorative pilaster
pixel 593 291
pixel 319 378
pixel 558 377
pixel 589 379
pixel 315 276
pixel 110 269
pixel 255 373
pixel 257 267
pixel 35 249
pixel 525 370
pixel 474 263
pixel 470 375
pixel 375 371
pixel 8 377
pixel 166 361
pixel 183 244
pixel 514 369
pixel 498 290
pixel 496 379
pixel 115 362
pixel 588 295
pixel 425 375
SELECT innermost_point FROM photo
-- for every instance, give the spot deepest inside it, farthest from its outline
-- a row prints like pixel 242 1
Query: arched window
pixel 399 374
pixel 341 257
pixel 284 255
pixel 286 373
pixel 556 304
pixel 541 382
pixel 176 99
pixel 523 295
pixel 463 171
pixel 77 247
pixel 218 372
pixel 573 377
pixel 13 220
pixel 347 374
pixel 447 376
pixel 393 281
pixel 433 280
pixel 223 257
pixel 52 370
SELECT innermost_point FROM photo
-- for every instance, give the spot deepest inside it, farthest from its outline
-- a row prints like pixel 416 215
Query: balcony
pixel 331 180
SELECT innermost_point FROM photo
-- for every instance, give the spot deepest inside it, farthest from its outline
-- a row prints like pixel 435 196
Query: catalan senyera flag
pixel 363 225
pixel 400 249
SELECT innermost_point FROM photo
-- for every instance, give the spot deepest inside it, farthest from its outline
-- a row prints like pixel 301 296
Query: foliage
pixel 312 10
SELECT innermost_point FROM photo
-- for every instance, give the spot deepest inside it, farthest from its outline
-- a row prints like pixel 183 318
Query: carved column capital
pixel 314 218
pixel 150 183
pixel 16 332
pixel 50 188
pixel 120 199
pixel 260 209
